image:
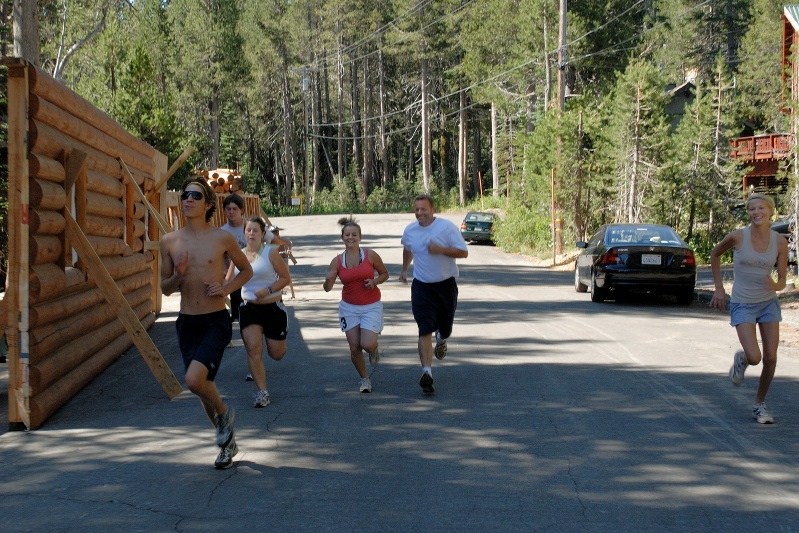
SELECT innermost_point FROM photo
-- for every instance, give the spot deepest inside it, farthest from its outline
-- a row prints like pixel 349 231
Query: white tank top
pixel 263 275
pixel 750 269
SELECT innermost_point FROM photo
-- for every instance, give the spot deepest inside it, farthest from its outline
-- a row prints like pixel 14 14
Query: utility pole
pixel 557 229
pixel 562 57
pixel 307 149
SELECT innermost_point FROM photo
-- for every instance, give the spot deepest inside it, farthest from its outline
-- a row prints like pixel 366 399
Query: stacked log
pixel 74 333
pixel 222 180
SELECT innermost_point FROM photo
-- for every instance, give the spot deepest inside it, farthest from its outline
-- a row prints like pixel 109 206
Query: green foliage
pixel 760 89
pixel 226 76
pixel 524 231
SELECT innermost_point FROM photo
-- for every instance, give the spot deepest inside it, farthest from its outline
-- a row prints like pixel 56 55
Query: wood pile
pixel 222 180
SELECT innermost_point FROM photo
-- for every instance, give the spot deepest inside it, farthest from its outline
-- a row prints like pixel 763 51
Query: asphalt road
pixel 551 413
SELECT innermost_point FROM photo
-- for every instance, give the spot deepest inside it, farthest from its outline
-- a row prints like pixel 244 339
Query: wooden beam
pixel 169 173
pixel 76 165
pixel 16 296
pixel 163 225
pixel 117 300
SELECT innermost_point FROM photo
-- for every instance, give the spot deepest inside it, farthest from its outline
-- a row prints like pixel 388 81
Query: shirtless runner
pixel 193 262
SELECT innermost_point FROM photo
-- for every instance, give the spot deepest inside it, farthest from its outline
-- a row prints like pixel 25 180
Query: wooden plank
pixel 163 374
pixel 16 297
pixel 174 168
pixel 163 225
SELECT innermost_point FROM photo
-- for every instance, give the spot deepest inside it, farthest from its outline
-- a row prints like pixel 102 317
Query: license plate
pixel 650 259
pixel 478 229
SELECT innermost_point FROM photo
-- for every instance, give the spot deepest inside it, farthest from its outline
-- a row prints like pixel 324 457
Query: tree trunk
pixel 494 151
pixel 384 155
pixel 368 131
pixel 463 146
pixel 289 164
pixel 316 104
pixel 340 149
pixel 213 125
pixel 427 170
pixel 477 158
pixel 357 156
pixel 633 185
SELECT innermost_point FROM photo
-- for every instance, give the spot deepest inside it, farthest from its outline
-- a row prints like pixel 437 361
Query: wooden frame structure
pixel 83 280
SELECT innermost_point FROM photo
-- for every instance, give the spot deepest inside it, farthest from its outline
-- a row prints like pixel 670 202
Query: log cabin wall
pixel 64 162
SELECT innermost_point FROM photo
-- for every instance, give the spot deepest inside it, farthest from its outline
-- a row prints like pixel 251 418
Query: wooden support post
pixel 117 300
pixel 169 173
pixel 163 225
pixel 16 297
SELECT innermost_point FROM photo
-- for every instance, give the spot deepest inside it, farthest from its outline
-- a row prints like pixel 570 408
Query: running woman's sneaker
pixel 738 368
pixel 426 382
pixel 248 377
pixel 761 415
pixel 225 458
pixel 224 427
pixel 262 399
pixel 366 385
pixel 440 350
pixel 374 357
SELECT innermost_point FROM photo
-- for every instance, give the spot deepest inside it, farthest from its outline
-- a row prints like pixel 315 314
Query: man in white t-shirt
pixel 432 244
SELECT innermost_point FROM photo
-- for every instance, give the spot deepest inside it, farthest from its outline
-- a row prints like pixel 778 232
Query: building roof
pixel 791 12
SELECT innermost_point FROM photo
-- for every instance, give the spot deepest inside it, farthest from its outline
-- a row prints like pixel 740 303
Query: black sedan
pixel 477 226
pixel 785 228
pixel 635 258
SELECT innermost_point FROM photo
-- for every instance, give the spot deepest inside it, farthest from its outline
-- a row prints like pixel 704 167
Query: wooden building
pixel 84 224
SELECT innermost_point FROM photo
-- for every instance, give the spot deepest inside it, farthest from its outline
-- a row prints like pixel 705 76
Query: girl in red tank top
pixel 360 310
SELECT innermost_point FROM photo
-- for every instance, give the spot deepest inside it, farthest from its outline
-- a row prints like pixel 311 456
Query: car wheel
pixel 597 294
pixel 579 286
pixel 685 296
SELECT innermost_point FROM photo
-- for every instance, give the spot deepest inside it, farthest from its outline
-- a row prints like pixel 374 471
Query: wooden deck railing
pixel 761 147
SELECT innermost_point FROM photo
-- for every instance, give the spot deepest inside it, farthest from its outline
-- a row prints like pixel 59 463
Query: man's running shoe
pixel 374 357
pixel 262 399
pixel 366 385
pixel 426 382
pixel 761 415
pixel 225 458
pixel 248 377
pixel 224 427
pixel 440 350
pixel 738 368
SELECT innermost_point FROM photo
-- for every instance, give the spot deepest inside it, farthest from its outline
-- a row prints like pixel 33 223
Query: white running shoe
pixel 366 385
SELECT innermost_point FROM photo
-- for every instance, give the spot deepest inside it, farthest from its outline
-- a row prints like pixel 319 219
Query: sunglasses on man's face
pixel 194 195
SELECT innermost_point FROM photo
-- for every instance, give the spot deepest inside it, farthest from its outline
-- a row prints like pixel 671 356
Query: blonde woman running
pixel 754 294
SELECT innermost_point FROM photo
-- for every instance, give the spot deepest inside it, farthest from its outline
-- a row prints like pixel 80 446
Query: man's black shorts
pixel 203 338
pixel 434 306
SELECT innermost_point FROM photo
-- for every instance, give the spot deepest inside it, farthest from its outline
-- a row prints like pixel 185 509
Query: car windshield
pixel 479 217
pixel 642 235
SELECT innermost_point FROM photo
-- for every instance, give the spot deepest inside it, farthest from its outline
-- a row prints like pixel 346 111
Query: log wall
pixel 64 162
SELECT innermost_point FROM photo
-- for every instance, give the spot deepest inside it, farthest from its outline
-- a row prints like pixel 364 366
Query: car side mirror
pixel 581 244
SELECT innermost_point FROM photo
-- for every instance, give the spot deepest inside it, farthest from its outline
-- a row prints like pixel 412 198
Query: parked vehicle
pixel 785 228
pixel 647 258
pixel 478 227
